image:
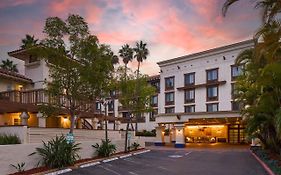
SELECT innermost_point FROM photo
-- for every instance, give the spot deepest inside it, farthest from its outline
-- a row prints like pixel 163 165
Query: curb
pixel 59 172
pixel 267 169
pixel 111 159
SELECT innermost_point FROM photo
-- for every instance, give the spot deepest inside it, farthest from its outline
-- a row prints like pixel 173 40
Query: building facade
pixel 196 101
pixel 25 93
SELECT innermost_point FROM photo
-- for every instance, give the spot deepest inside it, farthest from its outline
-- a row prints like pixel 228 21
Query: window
pixel 125 114
pixel 169 110
pixel 235 106
pixel 98 105
pixel 152 115
pixel 236 71
pixel 234 91
pixel 154 101
pixel 189 79
pixel 189 109
pixel 156 84
pixel 169 83
pixel 169 98
pixel 9 87
pixel 212 75
pixel 213 107
pixel 111 105
pixel 189 96
pixel 212 93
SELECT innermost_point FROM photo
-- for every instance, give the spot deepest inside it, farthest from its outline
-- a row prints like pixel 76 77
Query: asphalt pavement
pixel 219 161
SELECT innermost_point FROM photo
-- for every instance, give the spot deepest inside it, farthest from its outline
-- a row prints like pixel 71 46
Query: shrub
pixel 57 153
pixel 105 149
pixel 135 146
pixel 19 166
pixel 9 139
pixel 146 133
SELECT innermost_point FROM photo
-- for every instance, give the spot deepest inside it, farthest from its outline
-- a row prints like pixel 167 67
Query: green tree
pixel 9 65
pixel 80 67
pixel 270 8
pixel 126 52
pixel 135 103
pixel 28 41
pixel 259 87
pixel 141 53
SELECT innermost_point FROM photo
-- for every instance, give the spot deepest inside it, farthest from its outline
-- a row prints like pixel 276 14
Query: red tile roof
pixel 14 75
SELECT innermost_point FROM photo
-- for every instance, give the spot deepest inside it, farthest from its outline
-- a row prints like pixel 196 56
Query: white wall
pixel 22 151
pixel 199 65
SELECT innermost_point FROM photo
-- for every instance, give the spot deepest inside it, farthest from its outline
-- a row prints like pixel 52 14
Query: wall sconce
pixel 65 119
pixel 178 67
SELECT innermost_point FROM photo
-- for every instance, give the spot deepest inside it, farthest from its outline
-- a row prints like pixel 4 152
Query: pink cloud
pixel 12 3
pixel 117 37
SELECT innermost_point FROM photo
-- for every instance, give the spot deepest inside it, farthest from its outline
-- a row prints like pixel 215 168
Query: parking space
pixel 195 162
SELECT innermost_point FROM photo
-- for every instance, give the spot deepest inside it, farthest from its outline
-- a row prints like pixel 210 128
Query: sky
pixel 171 28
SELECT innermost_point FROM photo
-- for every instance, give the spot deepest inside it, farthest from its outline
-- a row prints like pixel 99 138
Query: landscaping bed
pixel 43 170
pixel 272 160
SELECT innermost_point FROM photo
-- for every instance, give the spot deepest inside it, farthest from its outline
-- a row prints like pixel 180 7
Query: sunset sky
pixel 171 28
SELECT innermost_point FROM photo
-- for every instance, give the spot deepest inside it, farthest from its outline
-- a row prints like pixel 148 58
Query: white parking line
pixel 60 172
pixel 109 160
pixel 89 164
pixel 130 172
pixel 107 169
pixel 125 156
pixel 141 152
pixel 163 168
pixel 188 153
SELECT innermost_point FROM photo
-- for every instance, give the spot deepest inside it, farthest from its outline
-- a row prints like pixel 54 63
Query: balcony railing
pixel 41 96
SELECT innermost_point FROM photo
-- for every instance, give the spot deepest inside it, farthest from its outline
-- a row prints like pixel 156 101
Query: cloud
pixel 13 3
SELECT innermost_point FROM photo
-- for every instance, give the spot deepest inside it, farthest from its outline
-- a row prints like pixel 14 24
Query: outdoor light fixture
pixel 179 67
pixel 65 119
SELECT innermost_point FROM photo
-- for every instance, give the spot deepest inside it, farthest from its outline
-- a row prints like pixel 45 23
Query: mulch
pixel 77 164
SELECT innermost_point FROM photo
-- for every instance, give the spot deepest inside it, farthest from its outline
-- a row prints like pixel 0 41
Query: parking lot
pixel 183 161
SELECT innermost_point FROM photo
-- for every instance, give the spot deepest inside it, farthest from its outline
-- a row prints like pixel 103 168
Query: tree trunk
pixel 105 120
pixel 126 136
pixel 72 122
pixel 138 90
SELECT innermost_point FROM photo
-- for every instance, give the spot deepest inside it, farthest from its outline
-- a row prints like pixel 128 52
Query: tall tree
pixel 28 41
pixel 134 102
pixel 259 88
pixel 141 53
pixel 126 52
pixel 9 65
pixel 270 8
pixel 80 66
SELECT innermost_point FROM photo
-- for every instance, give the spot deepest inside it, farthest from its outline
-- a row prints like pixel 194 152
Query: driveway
pixel 168 161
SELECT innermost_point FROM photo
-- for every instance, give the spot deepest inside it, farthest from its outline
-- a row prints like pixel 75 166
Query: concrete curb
pixel 112 159
pixel 59 172
pixel 267 169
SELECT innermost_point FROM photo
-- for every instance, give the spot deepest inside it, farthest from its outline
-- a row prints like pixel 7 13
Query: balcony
pixel 25 100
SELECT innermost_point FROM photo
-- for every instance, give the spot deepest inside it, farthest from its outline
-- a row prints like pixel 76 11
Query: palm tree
pixel 270 8
pixel 141 53
pixel 9 65
pixel 126 52
pixel 28 41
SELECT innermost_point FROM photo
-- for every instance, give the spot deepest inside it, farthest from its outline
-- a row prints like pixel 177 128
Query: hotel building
pixel 196 101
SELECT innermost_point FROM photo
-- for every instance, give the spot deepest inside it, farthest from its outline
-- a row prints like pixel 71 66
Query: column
pixel 180 140
pixel 95 123
pixel 159 136
pixel 117 124
pixel 41 120
pixel 173 135
pixel 24 116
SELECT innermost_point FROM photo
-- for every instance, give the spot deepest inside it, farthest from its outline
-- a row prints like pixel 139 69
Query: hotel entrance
pixel 206 133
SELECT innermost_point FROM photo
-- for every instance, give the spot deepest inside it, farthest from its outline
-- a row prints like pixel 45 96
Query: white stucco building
pixel 195 101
